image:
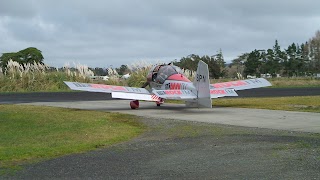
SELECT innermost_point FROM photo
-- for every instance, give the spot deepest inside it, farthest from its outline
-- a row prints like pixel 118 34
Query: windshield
pixel 165 72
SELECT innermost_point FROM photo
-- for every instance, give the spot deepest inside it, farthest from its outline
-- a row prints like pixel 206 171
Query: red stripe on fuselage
pixel 178 77
pixel 172 92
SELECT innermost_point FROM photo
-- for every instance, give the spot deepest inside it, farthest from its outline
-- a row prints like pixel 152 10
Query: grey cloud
pixel 17 8
pixel 118 31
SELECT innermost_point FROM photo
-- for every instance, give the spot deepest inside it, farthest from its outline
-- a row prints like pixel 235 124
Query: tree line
pixel 295 60
pixel 216 63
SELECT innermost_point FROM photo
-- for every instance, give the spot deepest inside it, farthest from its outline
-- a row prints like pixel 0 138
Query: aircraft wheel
pixel 158 103
pixel 134 104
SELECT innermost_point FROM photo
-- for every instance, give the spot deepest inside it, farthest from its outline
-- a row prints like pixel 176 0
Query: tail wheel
pixel 134 104
pixel 161 101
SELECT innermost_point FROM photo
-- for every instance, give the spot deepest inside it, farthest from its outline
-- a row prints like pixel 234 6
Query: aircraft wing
pixel 105 88
pixel 241 84
pixel 122 92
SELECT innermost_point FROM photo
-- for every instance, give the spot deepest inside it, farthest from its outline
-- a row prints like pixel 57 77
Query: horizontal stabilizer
pixel 135 96
pixel 175 94
pixel 216 93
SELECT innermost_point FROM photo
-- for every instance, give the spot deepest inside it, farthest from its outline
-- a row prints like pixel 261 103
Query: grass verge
pixel 33 133
pixel 293 82
pixel 298 103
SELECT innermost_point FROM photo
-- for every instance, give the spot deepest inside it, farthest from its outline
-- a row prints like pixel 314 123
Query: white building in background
pixel 266 75
pixel 97 78
pixel 126 76
pixel 263 76
pixel 251 77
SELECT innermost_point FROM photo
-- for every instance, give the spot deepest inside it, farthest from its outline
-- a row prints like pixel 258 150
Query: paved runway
pixel 281 120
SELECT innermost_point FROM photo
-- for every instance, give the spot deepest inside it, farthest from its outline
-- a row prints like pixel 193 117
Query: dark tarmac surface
pixel 279 92
pixel 174 149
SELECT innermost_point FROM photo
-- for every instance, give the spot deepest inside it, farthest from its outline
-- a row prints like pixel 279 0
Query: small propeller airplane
pixel 168 82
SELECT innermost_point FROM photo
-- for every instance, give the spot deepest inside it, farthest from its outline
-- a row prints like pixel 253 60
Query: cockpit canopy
pixel 160 73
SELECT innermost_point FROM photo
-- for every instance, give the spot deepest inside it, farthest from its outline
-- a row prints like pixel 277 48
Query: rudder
pixel 202 85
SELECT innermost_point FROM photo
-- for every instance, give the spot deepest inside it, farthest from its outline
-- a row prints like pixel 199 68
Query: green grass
pixel 284 82
pixel 294 82
pixel 33 133
pixel 298 103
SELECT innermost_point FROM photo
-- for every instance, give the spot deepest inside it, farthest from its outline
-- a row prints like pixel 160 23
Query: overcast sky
pixel 100 33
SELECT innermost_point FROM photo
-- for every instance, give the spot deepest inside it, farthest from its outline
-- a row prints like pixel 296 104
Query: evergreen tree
pixel 292 61
pixel 271 60
pixel 253 64
pixel 190 62
pixel 278 58
pixel 300 67
pixel 98 71
pixel 221 63
pixel 268 62
pixel 123 69
pixel 213 66
pixel 216 63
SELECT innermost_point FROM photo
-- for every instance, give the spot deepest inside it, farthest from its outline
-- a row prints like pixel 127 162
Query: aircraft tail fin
pixel 202 85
